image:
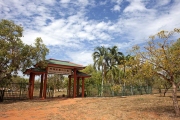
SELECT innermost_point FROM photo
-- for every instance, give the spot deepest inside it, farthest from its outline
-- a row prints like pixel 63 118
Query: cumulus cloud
pixel 163 2
pixel 116 8
pixel 117 5
pixel 69 27
pixel 103 2
pixel 141 22
pixel 135 5
pixel 65 1
pixel 117 1
pixel 81 57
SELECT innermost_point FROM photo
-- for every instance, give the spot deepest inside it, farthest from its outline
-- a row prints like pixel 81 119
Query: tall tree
pixel 164 55
pixel 114 58
pixel 100 58
pixel 14 54
pixel 124 61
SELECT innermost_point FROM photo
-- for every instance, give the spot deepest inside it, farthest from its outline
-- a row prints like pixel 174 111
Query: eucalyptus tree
pixel 100 58
pixel 162 85
pixel 163 54
pixel 14 54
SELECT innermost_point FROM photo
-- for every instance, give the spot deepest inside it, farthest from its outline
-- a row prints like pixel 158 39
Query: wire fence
pixel 108 91
pixel 19 91
pixel 14 91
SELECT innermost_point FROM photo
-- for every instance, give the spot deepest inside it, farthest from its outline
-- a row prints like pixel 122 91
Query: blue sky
pixel 71 29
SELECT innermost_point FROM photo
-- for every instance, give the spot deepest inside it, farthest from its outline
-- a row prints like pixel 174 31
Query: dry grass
pixel 141 107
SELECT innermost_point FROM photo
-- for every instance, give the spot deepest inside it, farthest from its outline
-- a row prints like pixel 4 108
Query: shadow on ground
pixel 35 100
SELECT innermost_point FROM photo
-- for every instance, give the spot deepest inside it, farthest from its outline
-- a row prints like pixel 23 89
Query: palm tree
pixel 100 58
pixel 125 60
pixel 113 60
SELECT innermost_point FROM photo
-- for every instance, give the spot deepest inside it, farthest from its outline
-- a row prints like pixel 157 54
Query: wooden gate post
pixel 69 87
pixel 78 86
pixel 83 87
pixel 74 88
pixel 41 86
pixel 45 86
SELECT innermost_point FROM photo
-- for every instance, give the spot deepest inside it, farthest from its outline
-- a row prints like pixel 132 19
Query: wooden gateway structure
pixel 57 67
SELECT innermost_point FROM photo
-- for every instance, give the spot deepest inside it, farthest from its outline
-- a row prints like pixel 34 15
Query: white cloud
pixel 117 1
pixel 84 2
pixel 116 8
pixel 49 2
pixel 81 57
pixel 72 29
pixel 102 26
pixel 140 25
pixel 103 2
pixel 89 28
pixel 135 5
pixel 162 2
pixel 65 1
pixel 105 45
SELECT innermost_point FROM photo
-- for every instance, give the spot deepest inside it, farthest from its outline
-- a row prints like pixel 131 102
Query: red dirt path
pixel 145 107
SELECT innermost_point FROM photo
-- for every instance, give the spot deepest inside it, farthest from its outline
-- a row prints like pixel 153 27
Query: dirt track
pixel 145 107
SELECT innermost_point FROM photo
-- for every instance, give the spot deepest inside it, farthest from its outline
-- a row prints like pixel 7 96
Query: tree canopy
pixel 163 54
pixel 156 63
pixel 14 54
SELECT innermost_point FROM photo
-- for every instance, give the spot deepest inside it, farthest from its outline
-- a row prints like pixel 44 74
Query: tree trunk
pixel 112 84
pixel 1 95
pixel 166 89
pixel 145 89
pixel 124 70
pixel 124 85
pixel 132 90
pixel 164 93
pixel 119 77
pixel 102 83
pixel 54 88
pixel 175 101
pixel 160 91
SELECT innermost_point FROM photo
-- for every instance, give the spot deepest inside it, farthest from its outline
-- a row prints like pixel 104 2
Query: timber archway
pixel 57 67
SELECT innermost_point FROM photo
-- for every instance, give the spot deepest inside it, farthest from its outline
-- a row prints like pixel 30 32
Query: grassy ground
pixel 140 107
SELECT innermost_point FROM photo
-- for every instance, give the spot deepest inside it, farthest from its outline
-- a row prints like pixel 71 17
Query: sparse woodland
pixel 156 63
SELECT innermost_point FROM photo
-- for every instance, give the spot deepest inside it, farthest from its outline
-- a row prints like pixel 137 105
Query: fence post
pixel 1 95
pixel 20 91
pixel 131 89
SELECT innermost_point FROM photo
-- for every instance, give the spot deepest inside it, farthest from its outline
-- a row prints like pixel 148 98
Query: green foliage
pixel 14 54
pixel 116 88
pixel 95 78
pixel 56 81
pixel 19 79
pixel 107 60
pixel 163 55
pixel 100 57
